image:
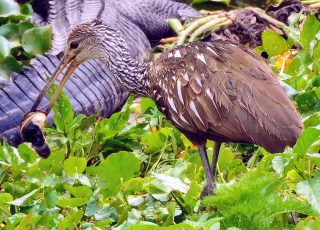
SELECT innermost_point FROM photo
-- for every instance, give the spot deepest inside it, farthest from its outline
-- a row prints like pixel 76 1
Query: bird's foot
pixel 32 131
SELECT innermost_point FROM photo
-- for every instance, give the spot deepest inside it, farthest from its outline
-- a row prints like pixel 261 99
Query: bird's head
pixel 85 42
pixel 92 40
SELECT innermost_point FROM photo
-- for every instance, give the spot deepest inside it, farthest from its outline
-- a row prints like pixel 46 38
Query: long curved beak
pixel 65 61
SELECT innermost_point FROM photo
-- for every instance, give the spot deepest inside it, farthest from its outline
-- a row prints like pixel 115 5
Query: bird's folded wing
pixel 221 91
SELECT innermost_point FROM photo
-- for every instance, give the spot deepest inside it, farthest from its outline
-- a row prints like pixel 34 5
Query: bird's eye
pixel 74 45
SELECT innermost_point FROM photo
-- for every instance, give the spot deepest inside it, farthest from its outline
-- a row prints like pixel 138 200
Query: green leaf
pixel 309 223
pixel 4 48
pixel 74 165
pixel 80 191
pixel 37 40
pixel 192 196
pixel 70 221
pixel 8 8
pixel 27 154
pixel 273 43
pixel 146 104
pixel 63 112
pixel 280 162
pixel 26 9
pixel 21 200
pixel 72 202
pixel 11 32
pixel 306 139
pixel 23 26
pixel 310 29
pixel 116 169
pixel 310 189
pixel 153 142
pixel 9 65
pixel 51 197
pixel 4 207
pixel 312 121
pixel 116 123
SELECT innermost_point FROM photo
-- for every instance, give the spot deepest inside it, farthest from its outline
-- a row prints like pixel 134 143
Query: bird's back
pixel 223 92
pixel 92 88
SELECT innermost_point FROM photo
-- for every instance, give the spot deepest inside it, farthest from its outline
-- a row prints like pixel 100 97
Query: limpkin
pixel 92 88
pixel 215 91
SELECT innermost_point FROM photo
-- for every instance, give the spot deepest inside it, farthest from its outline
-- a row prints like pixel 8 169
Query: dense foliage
pixel 136 171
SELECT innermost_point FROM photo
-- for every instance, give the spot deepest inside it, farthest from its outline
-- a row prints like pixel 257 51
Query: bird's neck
pixel 130 73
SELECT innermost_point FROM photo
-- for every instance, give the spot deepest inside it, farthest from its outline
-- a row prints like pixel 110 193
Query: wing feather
pixel 231 94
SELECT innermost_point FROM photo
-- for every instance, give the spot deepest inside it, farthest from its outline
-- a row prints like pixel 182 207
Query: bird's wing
pixel 91 89
pixel 64 15
pixel 151 15
pixel 224 92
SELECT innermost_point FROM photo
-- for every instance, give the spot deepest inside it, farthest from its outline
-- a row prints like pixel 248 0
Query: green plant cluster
pixel 20 39
pixel 134 170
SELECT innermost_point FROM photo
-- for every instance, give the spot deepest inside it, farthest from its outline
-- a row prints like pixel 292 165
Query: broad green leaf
pixel 74 165
pixel 309 223
pixel 80 191
pixel 63 112
pixel 226 156
pixel 21 200
pixel 26 9
pixel 70 221
pixel 27 154
pixel 5 197
pixel 146 104
pixel 312 121
pixel 71 202
pixel 23 26
pixel 37 40
pixel 53 163
pixel 273 43
pixel 280 162
pixel 11 32
pixel 311 28
pixel 51 197
pixel 310 189
pixel 8 8
pixel 9 65
pixel 4 48
pixel 4 207
pixel 92 207
pixel 299 65
pixel 116 169
pixel 192 196
pixel 153 142
pixel 306 139
pixel 116 123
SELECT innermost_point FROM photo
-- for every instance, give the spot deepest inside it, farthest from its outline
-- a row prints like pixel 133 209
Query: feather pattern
pixel 92 88
pixel 89 92
pixel 224 93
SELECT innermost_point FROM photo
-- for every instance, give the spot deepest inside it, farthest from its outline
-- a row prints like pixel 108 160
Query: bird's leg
pixel 207 169
pixel 215 157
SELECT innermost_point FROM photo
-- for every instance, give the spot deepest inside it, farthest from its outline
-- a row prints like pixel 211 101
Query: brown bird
pixel 217 91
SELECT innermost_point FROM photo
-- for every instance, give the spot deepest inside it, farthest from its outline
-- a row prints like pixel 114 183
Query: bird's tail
pixel 91 89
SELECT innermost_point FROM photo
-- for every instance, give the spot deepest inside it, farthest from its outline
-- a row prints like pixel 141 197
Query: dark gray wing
pixel 151 15
pixel 91 89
